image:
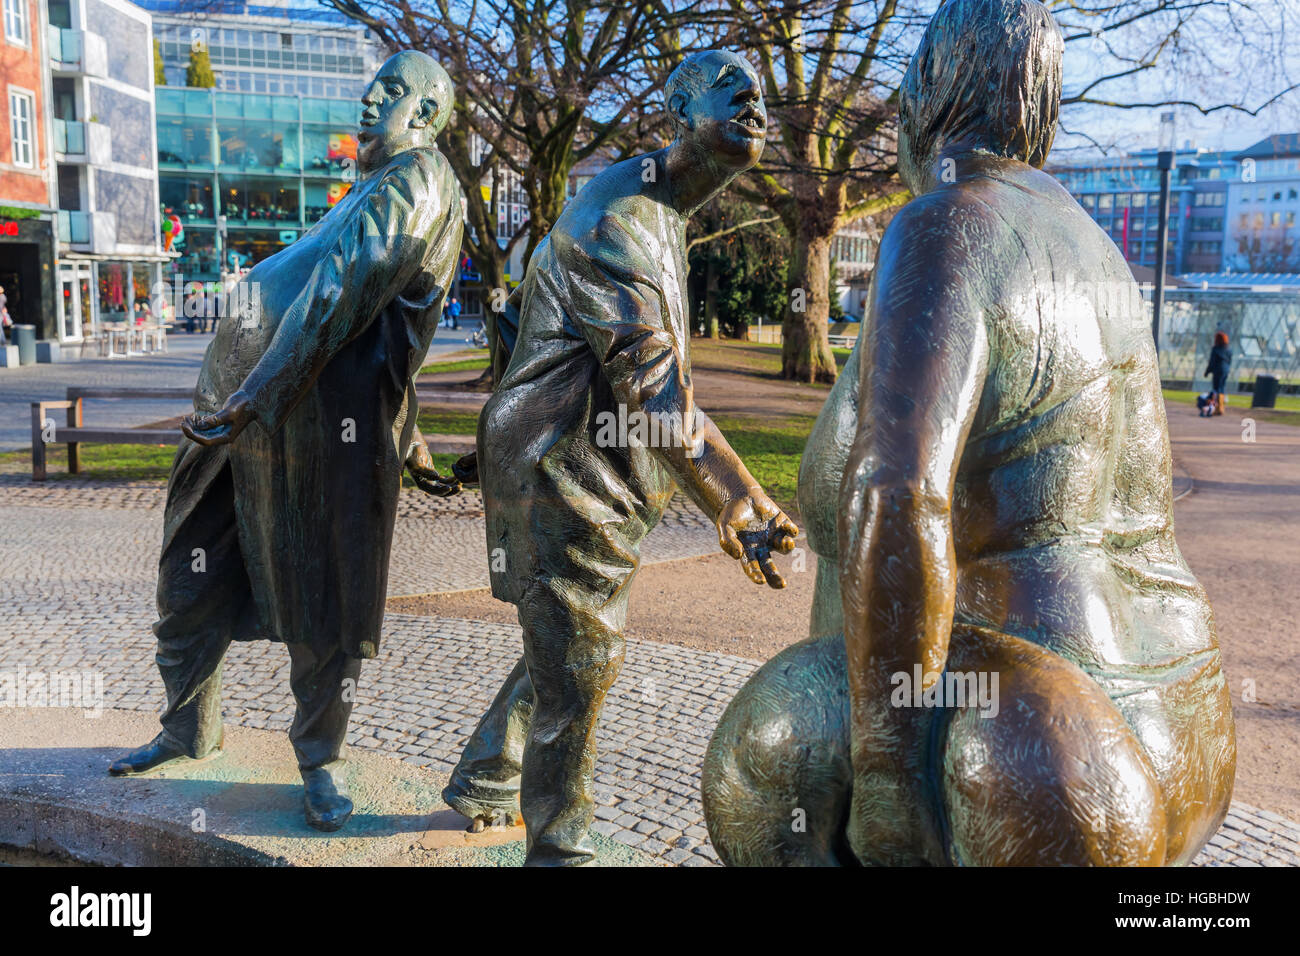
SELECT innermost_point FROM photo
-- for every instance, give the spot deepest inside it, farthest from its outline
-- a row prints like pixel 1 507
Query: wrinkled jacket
pixel 325 337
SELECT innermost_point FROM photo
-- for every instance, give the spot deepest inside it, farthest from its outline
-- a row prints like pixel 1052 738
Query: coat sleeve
pixel 376 255
pixel 618 302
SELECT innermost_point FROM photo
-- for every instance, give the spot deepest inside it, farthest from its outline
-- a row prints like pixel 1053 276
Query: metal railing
pixel 64 44
pixel 69 136
pixel 74 227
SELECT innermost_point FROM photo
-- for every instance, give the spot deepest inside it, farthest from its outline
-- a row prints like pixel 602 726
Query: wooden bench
pixel 45 431
pixel 75 432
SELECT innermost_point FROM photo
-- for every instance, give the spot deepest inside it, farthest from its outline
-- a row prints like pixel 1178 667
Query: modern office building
pixel 263 168
pixel 88 127
pixel 1122 194
pixel 1263 202
pixel 250 163
pixel 277 47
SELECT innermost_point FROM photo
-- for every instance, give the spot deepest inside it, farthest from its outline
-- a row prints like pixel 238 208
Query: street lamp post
pixel 1165 163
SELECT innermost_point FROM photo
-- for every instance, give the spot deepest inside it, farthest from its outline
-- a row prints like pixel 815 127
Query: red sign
pixel 8 228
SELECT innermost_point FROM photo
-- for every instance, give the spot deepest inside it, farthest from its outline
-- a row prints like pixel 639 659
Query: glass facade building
pixel 270 165
pixel 1123 196
pixel 277 48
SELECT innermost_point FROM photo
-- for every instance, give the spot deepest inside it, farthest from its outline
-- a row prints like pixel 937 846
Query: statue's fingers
pixel 790 528
pixel 753 571
pixel 730 543
pixel 770 573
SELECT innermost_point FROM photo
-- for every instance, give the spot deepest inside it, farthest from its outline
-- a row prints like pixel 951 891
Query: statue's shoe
pixel 325 797
pixel 485 806
pixel 158 753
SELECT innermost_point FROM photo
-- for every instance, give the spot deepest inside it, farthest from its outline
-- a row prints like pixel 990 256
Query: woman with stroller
pixel 1217 369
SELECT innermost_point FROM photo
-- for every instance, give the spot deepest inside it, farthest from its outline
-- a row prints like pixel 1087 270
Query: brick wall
pixel 21 66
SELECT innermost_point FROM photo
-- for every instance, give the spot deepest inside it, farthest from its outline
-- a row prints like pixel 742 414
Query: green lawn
pixel 456 365
pixel 442 421
pixel 118 462
pixel 771 449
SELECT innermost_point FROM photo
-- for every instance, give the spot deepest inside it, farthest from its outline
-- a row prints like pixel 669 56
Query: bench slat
pixel 119 436
pixel 143 391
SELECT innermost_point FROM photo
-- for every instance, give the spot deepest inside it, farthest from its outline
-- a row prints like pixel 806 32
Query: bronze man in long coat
pixel 603 329
pixel 282 531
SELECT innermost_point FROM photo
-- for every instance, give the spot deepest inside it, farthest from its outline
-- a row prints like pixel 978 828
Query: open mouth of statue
pixel 752 121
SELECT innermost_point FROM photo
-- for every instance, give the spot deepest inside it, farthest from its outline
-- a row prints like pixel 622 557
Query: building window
pixel 16 21
pixel 22 112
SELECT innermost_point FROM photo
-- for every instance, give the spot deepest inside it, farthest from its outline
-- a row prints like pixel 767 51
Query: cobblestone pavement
pixel 438 543
pixel 79 562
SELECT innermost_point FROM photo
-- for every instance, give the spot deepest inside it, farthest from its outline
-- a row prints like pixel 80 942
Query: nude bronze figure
pixel 602 335
pixel 282 531
pixel 989 492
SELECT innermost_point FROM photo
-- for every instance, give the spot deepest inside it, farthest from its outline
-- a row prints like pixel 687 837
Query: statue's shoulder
pixel 615 217
pixel 422 168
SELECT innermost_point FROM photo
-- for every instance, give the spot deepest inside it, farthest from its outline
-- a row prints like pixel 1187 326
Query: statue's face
pixel 393 106
pixel 726 118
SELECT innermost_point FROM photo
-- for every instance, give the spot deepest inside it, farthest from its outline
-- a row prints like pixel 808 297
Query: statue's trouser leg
pixel 573 644
pixel 486 778
pixel 204 597
pixel 324 684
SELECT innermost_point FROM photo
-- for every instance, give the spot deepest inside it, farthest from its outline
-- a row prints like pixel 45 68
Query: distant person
pixel 454 311
pixel 1217 368
pixel 5 322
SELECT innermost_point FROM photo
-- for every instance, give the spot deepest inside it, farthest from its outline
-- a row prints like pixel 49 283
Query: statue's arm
pixel 618 300
pixel 921 376
pixel 374 258
pixel 922 372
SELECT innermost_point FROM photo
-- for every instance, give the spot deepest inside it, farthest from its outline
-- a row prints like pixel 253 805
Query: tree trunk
pixel 806 352
pixel 710 300
pixel 494 277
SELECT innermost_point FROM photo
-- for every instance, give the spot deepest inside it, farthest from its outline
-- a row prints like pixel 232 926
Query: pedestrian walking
pixel 6 323
pixel 1217 368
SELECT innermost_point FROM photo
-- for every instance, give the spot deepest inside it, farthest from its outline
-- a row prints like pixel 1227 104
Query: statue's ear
pixel 677 110
pixel 427 113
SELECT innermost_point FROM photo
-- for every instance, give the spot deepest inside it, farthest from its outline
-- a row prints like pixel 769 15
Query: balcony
pixel 87 231
pixel 77 52
pixel 81 142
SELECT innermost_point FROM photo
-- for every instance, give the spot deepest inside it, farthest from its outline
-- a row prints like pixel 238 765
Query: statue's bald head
pixel 988 74
pixel 429 80
pixel 406 105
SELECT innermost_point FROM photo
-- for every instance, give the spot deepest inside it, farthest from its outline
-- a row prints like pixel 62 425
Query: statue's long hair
pixel 987 72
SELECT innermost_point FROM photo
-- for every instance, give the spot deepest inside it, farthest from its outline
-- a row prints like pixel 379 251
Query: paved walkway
pixel 80 558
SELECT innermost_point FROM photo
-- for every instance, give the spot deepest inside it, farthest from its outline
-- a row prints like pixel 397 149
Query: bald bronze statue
pixel 282 531
pixel 603 335
pixel 1010 662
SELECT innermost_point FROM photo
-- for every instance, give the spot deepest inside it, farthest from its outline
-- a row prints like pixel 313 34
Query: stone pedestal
pixel 242 808
pixel 48 350
pixel 8 356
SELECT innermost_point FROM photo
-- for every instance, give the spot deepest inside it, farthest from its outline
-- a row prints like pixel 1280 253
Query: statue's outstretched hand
pixel 222 427
pixel 419 464
pixel 466 468
pixel 750 528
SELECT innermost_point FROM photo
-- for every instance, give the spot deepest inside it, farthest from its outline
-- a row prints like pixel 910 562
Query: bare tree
pixel 831 70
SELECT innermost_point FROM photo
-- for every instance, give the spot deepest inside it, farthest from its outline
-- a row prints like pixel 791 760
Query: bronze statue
pixel 603 336
pixel 282 532
pixel 1024 670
